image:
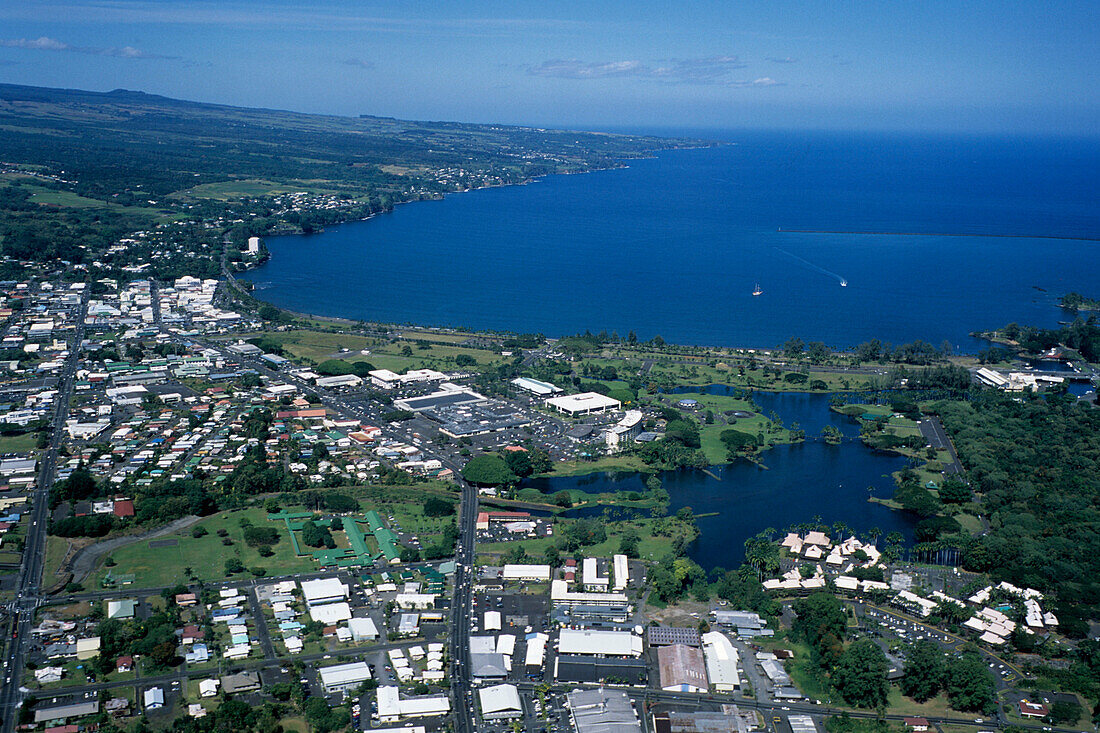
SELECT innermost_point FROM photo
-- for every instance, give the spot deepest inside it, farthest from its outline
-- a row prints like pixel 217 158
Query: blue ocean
pixel 848 236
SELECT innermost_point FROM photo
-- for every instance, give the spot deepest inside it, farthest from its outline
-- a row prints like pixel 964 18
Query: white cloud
pixel 359 63
pixel 704 70
pixel 45 43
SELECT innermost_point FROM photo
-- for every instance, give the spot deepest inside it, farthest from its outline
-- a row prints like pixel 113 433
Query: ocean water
pixel 674 245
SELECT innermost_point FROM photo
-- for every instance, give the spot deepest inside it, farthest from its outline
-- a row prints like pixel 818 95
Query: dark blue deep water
pixel 674 245
pixel 801 482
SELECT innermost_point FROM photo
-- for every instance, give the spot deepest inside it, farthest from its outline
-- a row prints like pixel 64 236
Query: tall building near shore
pixel 253 246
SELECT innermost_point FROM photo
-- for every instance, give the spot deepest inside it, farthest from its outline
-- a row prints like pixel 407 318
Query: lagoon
pixel 800 482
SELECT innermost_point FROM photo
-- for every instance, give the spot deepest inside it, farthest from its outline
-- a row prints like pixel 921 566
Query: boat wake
pixel 812 266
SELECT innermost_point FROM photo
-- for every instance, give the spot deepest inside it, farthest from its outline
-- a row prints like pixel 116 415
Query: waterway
pixel 800 483
pixel 674 245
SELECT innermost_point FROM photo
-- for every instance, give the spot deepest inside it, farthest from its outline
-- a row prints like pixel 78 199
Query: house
pixel 1030 709
pixel 46 675
pixel 241 682
pixel 208 688
pixel 117 706
pixel 185 600
pixel 919 725
pixel 124 664
pixel 154 698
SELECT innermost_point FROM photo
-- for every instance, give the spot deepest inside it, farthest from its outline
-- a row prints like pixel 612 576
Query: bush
pixel 233 566
pixel 260 536
pixel 340 503
pixel 199 531
pixel 436 507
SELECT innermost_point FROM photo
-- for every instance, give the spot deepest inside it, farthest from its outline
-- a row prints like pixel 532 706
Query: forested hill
pixel 107 142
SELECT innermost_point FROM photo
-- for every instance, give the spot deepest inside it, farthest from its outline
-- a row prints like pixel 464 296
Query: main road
pixel 21 611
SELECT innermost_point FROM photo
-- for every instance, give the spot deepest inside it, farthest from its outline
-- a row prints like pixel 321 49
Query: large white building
pixel 600 643
pixel 500 702
pixel 585 403
pixel 536 573
pixel 721 659
pixel 392 708
pixel 324 590
pixel 542 389
pixel 344 677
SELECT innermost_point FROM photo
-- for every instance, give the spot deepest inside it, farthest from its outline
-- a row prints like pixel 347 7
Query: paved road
pixel 933 431
pixel 84 561
pixel 27 600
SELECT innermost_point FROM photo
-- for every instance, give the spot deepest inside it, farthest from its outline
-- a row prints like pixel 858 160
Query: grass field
pixel 607 463
pixel 56 547
pixel 650 547
pixel 319 346
pixel 24 443
pixel 206 555
pixel 225 190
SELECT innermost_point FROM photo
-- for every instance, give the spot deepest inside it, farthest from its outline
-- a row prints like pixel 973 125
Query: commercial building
pixel 66 712
pixel 533 573
pixel 667 635
pixel 599 643
pixel 585 403
pixel 541 389
pixel 500 702
pixel 330 613
pixel 363 629
pixel 622 670
pixel 625 430
pixel 801 724
pixel 392 708
pixel 344 677
pixel 682 668
pixel 721 659
pixel 323 590
pixel 592 579
pixel 602 711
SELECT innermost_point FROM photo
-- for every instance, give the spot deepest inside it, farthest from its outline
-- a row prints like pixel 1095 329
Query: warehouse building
pixel 602 711
pixel 585 403
pixel 392 708
pixel 500 702
pixel 344 677
pixel 721 659
pixel 324 590
pixel 682 668
pixel 541 389
pixel 599 643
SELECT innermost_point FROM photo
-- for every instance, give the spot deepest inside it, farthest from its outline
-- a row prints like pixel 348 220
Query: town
pixel 204 508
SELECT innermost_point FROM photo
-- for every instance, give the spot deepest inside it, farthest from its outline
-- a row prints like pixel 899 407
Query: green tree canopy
pixel 860 675
pixel 489 470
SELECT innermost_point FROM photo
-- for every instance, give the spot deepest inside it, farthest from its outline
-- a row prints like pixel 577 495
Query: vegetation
pixel 1035 464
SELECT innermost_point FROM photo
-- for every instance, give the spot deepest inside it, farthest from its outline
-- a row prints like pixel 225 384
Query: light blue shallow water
pixel 674 245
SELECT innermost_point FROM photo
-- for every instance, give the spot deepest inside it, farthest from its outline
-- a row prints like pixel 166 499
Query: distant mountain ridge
pixel 123 139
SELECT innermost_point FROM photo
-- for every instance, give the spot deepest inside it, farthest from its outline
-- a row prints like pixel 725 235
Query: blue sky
pixel 964 65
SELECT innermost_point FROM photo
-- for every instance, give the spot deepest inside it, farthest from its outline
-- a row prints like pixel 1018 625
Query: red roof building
pixel 124 664
pixel 1032 709
pixel 124 508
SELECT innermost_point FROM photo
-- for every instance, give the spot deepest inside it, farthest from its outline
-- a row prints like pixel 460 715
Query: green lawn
pixel 225 190
pixel 607 463
pixel 206 555
pixel 56 547
pixel 24 443
pixel 650 547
